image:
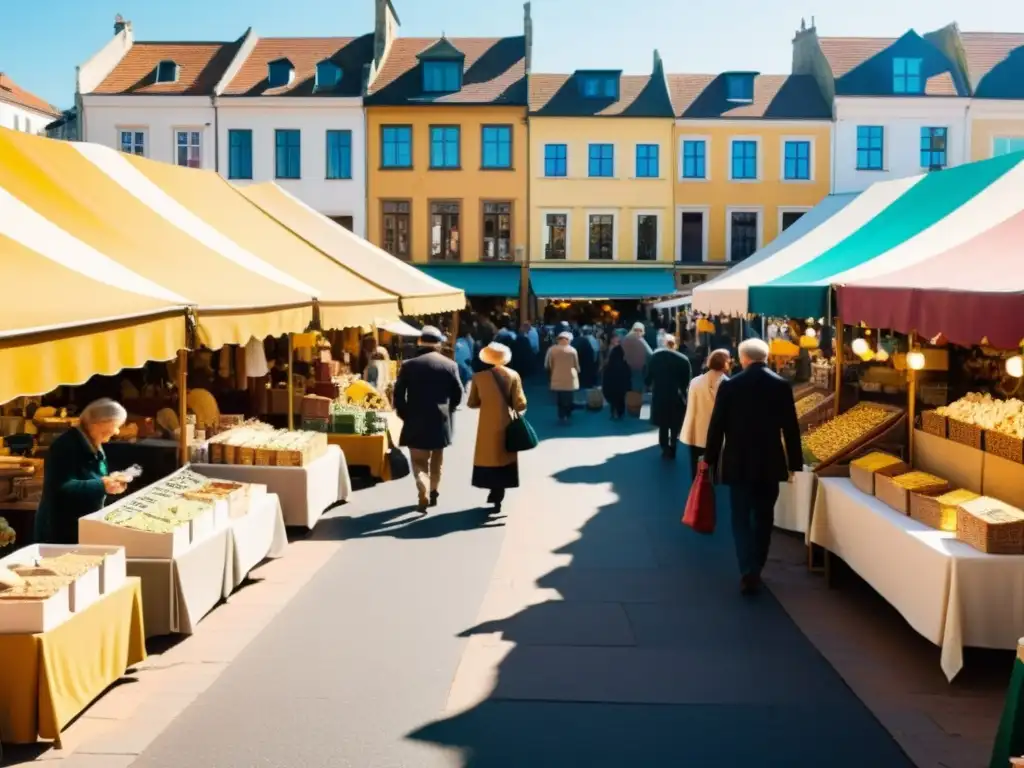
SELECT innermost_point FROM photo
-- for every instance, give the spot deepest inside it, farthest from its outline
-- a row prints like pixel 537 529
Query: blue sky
pixel 41 43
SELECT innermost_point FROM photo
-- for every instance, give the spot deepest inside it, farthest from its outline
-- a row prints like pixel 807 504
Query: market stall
pixel 70 625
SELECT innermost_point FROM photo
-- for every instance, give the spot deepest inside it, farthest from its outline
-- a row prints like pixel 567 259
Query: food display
pixel 7 534
pixel 991 526
pixel 362 394
pixel 864 469
pixel 918 481
pixel 808 403
pixel 42 585
pixel 262 445
pixel 837 436
pixel 166 518
pixel 939 512
pixel 348 419
pixel 896 491
pixel 985 411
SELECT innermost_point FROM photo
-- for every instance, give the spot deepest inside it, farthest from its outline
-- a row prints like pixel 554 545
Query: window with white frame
pixel 646 236
pixel 133 142
pixel 556 235
pixel 1004 145
pixel 188 148
pixel 601 232
pixel 692 235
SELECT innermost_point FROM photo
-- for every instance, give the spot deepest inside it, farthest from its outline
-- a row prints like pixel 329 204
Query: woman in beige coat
pixel 563 364
pixel 700 402
pixel 496 390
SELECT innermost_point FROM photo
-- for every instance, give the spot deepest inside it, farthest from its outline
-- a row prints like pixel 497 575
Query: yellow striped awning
pixel 345 298
pixel 420 293
pixel 95 195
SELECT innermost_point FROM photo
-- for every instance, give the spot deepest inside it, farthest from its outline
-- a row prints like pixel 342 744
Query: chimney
pixel 805 48
pixel 528 34
pixel 659 67
pixel 120 25
pixel 385 29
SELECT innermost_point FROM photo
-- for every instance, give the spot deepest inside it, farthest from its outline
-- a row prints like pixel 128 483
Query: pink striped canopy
pixel 972 291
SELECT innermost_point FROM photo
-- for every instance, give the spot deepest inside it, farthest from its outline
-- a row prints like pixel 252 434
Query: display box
pixel 29 617
pixel 939 512
pixel 991 526
pixel 897 496
pixel 863 477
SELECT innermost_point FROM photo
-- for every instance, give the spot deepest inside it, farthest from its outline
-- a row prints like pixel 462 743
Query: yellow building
pixel 601 185
pixel 447 159
pixel 996 111
pixel 751 154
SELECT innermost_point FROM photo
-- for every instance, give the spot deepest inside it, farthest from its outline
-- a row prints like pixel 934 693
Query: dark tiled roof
pixel 776 97
pixel 200 68
pixel 351 54
pixel 494 72
pixel 12 93
pixel 846 55
pixel 995 63
pixel 560 96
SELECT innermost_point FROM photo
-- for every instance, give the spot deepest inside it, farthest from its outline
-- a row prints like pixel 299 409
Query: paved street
pixel 585 626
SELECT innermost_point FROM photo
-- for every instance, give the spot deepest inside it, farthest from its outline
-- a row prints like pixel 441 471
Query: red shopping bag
pixel 700 505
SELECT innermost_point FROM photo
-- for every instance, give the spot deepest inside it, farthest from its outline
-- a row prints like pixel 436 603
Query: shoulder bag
pixel 519 434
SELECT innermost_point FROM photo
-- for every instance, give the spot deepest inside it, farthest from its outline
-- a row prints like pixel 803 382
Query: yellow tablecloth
pixel 365 451
pixel 46 680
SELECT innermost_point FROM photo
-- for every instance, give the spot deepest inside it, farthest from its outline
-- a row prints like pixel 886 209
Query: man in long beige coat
pixel 563 363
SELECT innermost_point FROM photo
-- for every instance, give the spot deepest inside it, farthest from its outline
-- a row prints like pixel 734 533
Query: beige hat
pixel 495 354
pixel 565 335
pixel 639 327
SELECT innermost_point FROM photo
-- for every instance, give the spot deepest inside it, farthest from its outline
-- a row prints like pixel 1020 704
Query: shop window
pixel 555 233
pixel 497 228
pixel 602 237
pixel 646 237
pixel 395 223
pixel 444 231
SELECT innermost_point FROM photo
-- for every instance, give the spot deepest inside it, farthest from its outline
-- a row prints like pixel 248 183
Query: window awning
pixel 420 294
pixel 478 279
pixel 609 283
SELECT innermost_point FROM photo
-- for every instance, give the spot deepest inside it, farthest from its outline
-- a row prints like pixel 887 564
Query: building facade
pixel 447 158
pixel 24 111
pixel 995 67
pixel 751 154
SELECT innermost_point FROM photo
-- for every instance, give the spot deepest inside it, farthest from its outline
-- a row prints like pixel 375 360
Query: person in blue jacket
pixel 76 481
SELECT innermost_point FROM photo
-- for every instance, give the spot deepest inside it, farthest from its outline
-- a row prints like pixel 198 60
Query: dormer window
pixel 328 75
pixel 442 76
pixel 167 72
pixel 599 85
pixel 739 87
pixel 906 76
pixel 280 73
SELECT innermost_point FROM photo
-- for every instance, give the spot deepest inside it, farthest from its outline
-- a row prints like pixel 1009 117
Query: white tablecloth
pixel 949 592
pixel 793 509
pixel 256 536
pixel 306 492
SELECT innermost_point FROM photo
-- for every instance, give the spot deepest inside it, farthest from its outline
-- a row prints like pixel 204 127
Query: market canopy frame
pixel 419 293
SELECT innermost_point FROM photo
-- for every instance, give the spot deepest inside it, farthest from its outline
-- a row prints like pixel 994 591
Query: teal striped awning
pixel 907 223
pixel 601 283
pixel 501 280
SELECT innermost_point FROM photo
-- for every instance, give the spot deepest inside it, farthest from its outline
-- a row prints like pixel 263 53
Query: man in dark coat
pixel 668 376
pixel 755 418
pixel 427 392
pixel 588 360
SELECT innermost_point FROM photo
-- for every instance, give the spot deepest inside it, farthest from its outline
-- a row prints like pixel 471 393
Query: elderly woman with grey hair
pixel 76 480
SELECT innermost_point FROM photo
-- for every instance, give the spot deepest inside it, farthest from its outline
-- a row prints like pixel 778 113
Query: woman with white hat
pixel 564 364
pixel 496 390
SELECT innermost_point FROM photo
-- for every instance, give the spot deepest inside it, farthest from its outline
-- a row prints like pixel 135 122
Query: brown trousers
pixel 426 469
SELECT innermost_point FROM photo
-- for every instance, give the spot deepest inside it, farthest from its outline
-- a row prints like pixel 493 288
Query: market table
pixel 305 492
pixel 177 593
pixel 796 499
pixel 369 451
pixel 949 592
pixel 48 679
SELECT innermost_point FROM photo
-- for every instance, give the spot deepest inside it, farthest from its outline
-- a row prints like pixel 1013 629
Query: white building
pixel 288 110
pixel 23 111
pixel 900 105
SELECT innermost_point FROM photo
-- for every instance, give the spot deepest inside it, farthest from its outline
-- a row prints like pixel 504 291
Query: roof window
pixel 739 87
pixel 599 85
pixel 280 73
pixel 328 75
pixel 167 72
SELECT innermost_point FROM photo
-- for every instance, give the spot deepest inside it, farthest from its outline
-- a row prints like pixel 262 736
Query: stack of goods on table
pixel 350 419
pixel 980 420
pixel 166 518
pixel 51 424
pixel 823 373
pixel 837 437
pixel 21 479
pixel 255 443
pixel 987 524
pixel 813 405
pixel 42 585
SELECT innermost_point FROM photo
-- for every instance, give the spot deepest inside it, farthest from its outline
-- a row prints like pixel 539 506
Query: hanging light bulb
pixel 881 355
pixel 1015 366
pixel 810 333
pixel 860 346
pixel 915 360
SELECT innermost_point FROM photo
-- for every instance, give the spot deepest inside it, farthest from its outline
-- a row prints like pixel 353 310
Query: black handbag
pixel 519 434
pixel 397 462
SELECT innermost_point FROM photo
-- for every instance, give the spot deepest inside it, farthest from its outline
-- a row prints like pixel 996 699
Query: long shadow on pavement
pixel 651 657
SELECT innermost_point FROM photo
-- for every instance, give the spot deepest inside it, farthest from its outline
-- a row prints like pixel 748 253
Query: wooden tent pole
pixel 911 400
pixel 182 407
pixel 291 381
pixel 839 362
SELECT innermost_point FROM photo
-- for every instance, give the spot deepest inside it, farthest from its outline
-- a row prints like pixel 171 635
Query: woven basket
pixel 1004 446
pixel 965 434
pixel 1002 533
pixel 933 423
pixel 928 510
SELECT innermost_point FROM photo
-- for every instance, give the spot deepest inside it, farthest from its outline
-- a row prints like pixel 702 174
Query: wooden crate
pixel 892 426
pixel 823 411
pixel 864 479
pixel 1004 446
pixel 933 423
pixel 991 526
pixel 965 434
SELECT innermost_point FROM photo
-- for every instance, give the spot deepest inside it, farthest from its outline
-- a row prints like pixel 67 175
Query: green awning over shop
pixel 609 283
pixel 904 225
pixel 500 280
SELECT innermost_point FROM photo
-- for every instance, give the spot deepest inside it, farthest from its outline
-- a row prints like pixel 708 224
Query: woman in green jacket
pixel 76 481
